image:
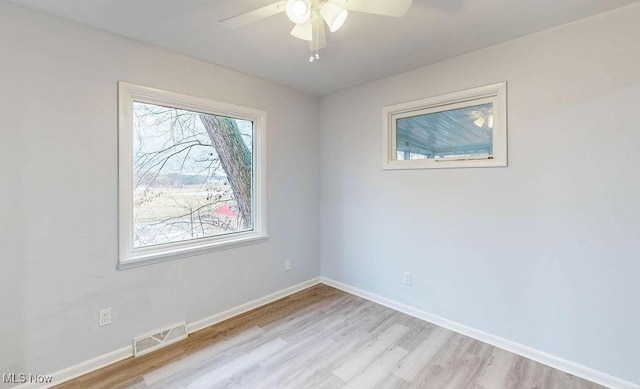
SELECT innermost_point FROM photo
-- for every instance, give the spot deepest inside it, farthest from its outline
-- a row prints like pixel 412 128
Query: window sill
pixel 153 255
pixel 440 164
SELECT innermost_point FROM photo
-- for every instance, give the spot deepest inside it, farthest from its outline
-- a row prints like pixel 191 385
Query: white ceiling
pixel 368 47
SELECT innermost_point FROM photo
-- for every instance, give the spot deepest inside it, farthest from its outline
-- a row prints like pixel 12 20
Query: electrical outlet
pixel 105 317
pixel 287 264
pixel 407 278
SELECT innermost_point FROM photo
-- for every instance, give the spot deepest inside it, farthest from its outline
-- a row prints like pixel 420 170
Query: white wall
pixel 12 290
pixel 58 166
pixel 544 252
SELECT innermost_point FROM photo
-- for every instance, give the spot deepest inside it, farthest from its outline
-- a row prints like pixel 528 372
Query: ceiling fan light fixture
pixel 299 11
pixel 333 15
pixel 303 31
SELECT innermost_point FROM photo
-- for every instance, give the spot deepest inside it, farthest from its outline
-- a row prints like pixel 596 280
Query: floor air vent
pixel 147 343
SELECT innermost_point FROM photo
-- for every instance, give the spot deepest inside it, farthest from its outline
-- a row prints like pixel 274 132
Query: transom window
pixel 463 129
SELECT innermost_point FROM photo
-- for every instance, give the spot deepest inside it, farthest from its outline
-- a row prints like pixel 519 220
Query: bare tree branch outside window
pixel 192 175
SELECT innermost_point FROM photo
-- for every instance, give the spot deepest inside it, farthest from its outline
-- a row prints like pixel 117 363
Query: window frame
pixel 494 93
pixel 129 256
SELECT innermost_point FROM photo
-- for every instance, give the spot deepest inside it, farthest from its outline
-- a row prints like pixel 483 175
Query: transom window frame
pixel 494 93
pixel 129 256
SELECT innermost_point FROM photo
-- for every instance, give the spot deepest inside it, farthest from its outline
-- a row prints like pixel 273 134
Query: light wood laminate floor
pixel 325 338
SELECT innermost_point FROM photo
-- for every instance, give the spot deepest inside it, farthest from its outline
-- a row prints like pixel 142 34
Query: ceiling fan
pixel 310 16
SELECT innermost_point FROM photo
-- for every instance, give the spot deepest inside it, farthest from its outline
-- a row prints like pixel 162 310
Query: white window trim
pixel 133 257
pixel 495 93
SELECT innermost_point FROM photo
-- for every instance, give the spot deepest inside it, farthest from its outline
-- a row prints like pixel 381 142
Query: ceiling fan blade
pixel 395 8
pixel 255 15
pixel 319 35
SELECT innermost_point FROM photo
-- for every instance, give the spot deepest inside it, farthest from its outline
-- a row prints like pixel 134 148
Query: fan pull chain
pixel 317 56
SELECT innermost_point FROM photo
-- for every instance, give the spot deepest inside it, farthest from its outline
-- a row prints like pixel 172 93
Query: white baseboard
pixel 84 367
pixel 516 348
pixel 217 318
pixel 126 352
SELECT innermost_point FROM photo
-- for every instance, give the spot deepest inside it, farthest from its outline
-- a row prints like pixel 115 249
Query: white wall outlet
pixel 287 264
pixel 407 278
pixel 105 317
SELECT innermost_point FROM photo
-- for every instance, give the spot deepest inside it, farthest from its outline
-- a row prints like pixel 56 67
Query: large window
pixel 462 129
pixel 190 175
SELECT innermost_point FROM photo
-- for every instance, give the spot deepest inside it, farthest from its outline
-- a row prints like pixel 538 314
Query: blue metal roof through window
pixel 464 132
